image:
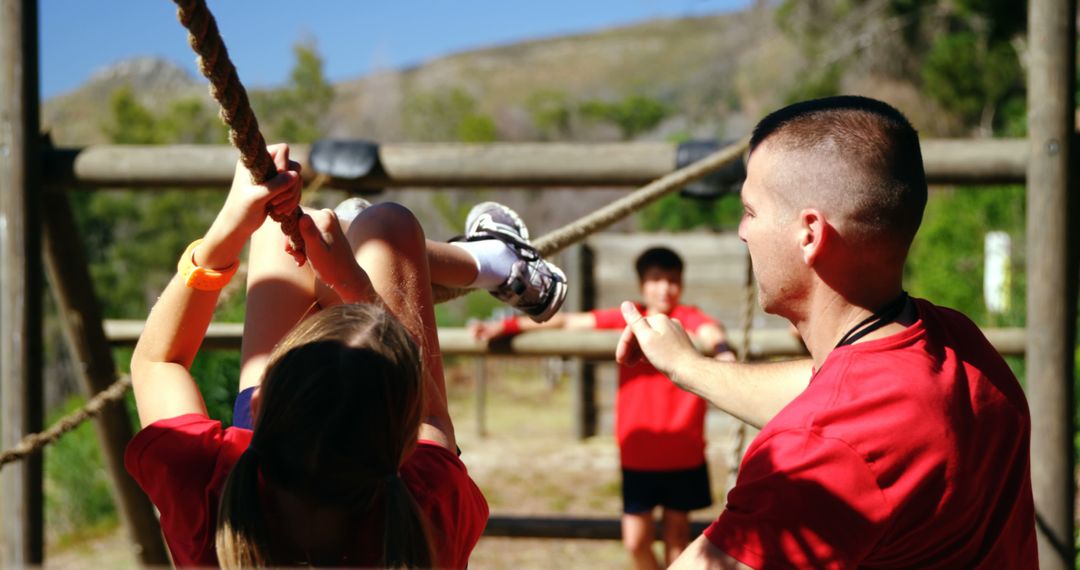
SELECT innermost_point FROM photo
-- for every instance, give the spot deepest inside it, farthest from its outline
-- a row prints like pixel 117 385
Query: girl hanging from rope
pixel 352 460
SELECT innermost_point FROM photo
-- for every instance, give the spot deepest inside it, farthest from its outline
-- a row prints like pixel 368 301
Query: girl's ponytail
pixel 241 537
pixel 406 539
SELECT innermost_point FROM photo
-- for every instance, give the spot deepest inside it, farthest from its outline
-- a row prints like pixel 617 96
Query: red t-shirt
pixel 182 464
pixel 659 427
pixel 910 451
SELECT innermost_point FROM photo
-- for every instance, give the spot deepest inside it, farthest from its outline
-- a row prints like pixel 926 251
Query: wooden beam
pixel 568 527
pixel 1051 269
pixel 81 321
pixel 21 498
pixel 598 345
pixel 513 165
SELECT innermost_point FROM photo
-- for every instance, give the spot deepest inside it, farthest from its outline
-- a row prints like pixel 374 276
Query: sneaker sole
pixel 558 296
pixel 523 230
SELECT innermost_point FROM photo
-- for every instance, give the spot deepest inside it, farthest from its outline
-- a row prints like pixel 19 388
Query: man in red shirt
pixel 660 429
pixel 904 441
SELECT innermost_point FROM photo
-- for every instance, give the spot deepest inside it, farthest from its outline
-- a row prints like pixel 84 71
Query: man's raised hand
pixel 658 338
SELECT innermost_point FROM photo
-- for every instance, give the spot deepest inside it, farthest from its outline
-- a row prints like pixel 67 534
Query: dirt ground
pixel 528 463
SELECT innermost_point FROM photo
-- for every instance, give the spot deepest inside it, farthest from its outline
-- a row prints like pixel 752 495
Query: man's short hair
pixel 878 148
pixel 661 257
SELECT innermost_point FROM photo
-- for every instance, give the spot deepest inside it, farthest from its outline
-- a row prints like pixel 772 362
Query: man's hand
pixel 658 338
pixel 332 258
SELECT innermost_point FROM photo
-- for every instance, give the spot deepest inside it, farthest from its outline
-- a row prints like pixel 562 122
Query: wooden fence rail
pixel 568 527
pixel 431 165
pixel 599 345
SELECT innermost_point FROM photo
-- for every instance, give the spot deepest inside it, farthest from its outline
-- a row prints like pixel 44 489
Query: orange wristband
pixel 203 278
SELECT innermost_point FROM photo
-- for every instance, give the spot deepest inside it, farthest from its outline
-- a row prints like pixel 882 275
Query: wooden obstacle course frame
pixel 1052 255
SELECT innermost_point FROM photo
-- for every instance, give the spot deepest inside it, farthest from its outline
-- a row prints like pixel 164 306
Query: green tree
pixel 946 262
pixel 130 122
pixel 958 52
pixel 446 116
pixel 296 112
pixel 816 83
pixel 675 213
pixel 972 78
pixel 632 115
pixel 551 114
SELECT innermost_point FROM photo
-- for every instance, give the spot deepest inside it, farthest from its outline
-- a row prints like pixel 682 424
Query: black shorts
pixel 683 490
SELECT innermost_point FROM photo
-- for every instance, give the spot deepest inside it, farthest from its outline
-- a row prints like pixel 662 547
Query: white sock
pixel 494 260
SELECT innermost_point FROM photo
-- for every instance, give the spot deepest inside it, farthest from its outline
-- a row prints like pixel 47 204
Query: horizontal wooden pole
pixel 568 527
pixel 598 345
pixel 521 165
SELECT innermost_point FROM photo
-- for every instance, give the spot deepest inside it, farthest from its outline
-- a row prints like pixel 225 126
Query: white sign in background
pixel 997 275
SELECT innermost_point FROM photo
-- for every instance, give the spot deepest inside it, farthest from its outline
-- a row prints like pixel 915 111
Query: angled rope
pixel 35 441
pixel 738 440
pixel 589 224
pixel 235 112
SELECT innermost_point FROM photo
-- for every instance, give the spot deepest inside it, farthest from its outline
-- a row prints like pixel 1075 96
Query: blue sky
pixel 79 37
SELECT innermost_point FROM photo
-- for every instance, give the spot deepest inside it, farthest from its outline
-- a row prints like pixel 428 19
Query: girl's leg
pixel 490 257
pixel 391 248
pixel 450 265
pixel 279 295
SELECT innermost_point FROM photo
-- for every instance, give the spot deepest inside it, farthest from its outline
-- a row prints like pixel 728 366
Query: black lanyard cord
pixel 882 317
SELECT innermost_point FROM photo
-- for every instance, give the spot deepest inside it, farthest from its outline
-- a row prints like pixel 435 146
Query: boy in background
pixel 660 429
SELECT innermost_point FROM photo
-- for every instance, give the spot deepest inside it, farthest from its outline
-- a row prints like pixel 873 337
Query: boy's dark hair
pixel 661 257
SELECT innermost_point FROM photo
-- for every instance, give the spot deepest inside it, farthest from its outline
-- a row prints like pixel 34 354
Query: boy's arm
pixel 487 330
pixel 713 338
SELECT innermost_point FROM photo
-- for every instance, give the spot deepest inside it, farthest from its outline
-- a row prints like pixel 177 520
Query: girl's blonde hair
pixel 340 408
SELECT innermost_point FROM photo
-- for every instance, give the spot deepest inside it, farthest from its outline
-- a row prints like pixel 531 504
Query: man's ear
pixel 813 231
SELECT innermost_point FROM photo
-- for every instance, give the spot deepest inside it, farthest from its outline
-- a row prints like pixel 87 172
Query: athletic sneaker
pixel 349 208
pixel 536 286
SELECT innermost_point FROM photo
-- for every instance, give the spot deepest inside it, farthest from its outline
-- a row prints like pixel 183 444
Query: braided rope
pixel 589 224
pixel 749 304
pixel 35 441
pixel 235 112
pixel 735 452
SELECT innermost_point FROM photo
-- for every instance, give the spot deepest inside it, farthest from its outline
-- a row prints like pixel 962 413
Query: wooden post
pixel 1051 269
pixel 582 297
pixel 481 396
pixel 20 283
pixel 82 324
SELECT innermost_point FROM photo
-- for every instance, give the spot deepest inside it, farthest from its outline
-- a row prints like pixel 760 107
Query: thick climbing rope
pixel 235 109
pixel 35 441
pixel 738 440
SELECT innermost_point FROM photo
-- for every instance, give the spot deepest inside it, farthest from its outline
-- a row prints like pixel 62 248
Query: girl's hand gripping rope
pixel 248 204
pixel 332 257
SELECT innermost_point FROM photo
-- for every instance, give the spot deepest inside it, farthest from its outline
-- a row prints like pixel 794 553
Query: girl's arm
pixel 177 324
